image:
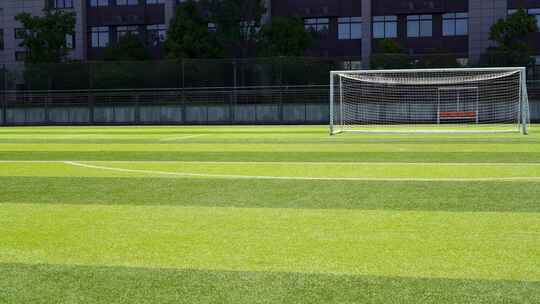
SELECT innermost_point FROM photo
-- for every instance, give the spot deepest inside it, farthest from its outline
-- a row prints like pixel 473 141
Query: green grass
pixel 267 215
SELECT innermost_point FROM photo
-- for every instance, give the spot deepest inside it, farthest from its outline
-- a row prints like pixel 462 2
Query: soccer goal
pixel 480 100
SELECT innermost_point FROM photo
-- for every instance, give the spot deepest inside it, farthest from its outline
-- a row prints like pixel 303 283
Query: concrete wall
pixel 300 113
pixel 169 114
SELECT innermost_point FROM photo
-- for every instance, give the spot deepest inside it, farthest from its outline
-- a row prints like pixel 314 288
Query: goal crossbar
pixel 474 100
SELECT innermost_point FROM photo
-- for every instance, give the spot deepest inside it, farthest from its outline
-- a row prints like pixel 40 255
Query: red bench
pixel 457 115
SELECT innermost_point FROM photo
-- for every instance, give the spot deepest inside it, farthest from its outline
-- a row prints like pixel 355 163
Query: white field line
pixel 259 177
pixel 269 163
pixel 182 137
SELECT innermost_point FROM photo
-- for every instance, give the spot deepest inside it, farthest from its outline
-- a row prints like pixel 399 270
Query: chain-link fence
pixel 278 90
pixel 189 73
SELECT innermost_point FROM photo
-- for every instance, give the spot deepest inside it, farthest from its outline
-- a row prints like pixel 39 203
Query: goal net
pixel 482 100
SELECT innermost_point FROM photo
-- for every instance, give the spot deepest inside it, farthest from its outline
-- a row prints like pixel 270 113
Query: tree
pixel 390 55
pixel 45 36
pixel 511 35
pixel 284 36
pixel 188 35
pixel 237 25
pixel 128 48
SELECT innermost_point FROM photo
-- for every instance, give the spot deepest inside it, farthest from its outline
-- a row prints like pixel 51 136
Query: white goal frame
pixel 520 122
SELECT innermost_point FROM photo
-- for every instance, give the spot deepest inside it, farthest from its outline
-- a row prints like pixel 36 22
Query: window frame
pixel 99 3
pixel 127 3
pixel 20 56
pixel 70 41
pixel 319 25
pixel 100 32
pixel 212 27
pixel 535 12
pixel 156 30
pixel 389 26
pixel 18 31
pixel 65 4
pixel 349 23
pixel 416 26
pixel 123 30
pixel 454 19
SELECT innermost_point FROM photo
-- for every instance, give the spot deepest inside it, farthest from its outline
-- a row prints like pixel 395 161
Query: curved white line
pixel 181 137
pixel 277 163
pixel 231 176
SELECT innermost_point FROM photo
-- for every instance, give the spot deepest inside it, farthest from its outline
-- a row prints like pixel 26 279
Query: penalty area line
pixel 306 178
pixel 181 137
pixel 307 163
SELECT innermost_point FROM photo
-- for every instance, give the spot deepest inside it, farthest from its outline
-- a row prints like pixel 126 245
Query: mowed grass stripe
pixel 344 172
pixel 202 147
pixel 440 196
pixel 111 285
pixel 491 246
pixel 288 129
pixel 324 171
pixel 399 157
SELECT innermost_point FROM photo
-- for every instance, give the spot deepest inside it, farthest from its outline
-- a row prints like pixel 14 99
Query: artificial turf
pixel 124 230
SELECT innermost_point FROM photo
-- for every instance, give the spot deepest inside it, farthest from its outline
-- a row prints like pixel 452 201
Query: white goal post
pixel 460 100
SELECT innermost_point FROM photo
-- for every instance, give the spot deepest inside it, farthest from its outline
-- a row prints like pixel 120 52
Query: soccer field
pixel 267 215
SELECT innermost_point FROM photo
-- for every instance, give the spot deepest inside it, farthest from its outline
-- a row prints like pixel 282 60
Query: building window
pixel 70 41
pixel 349 28
pixel 59 4
pixel 212 28
pixel 20 33
pixel 155 1
pixel 249 28
pixel 419 26
pixel 20 56
pixel 536 13
pixel 511 11
pixel 99 36
pixel 456 24
pixel 384 26
pixel 318 25
pixel 122 31
pixel 463 62
pixel 98 3
pixel 127 2
pixel 157 33
pixel 1 39
pixel 351 65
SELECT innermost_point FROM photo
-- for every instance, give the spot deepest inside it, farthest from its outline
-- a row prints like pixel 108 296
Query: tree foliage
pixel 284 36
pixel 188 35
pixel 45 36
pixel 239 32
pixel 511 35
pixel 128 48
pixel 237 25
pixel 389 55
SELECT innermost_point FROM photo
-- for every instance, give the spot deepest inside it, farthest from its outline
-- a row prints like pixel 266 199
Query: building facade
pixel 459 28
pixel 10 49
pixel 347 28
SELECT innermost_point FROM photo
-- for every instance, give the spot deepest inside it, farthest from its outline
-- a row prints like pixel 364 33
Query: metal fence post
pixel 91 97
pixel 47 98
pixel 184 114
pixel 232 108
pixel 4 95
pixel 281 109
pixel 137 118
